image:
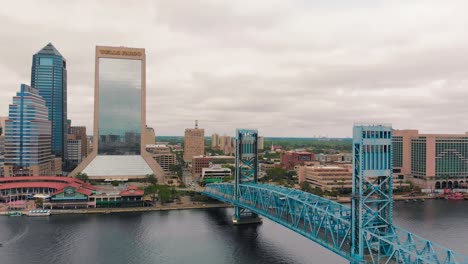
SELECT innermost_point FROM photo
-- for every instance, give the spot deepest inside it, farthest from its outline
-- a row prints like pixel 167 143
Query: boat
pixel 15 213
pixel 38 213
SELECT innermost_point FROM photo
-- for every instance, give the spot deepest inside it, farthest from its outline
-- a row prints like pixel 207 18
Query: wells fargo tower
pixel 119 117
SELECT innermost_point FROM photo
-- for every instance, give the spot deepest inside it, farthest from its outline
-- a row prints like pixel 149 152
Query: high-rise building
pixel 214 141
pixel 27 135
pixel 194 142
pixel 261 142
pixel 150 136
pixel 2 144
pixel 432 161
pixel 49 76
pixel 119 151
pixel 226 144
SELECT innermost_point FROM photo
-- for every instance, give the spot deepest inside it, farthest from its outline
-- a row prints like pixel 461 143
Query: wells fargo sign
pixel 121 53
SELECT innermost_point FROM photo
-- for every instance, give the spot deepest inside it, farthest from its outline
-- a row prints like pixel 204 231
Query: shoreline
pixel 129 209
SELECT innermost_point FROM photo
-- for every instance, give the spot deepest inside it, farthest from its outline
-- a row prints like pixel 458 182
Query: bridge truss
pixel 362 233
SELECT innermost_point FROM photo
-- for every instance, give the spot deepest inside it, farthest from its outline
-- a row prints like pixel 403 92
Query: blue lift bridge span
pixel 362 233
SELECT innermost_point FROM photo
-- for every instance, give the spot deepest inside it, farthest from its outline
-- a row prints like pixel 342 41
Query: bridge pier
pixel 245 217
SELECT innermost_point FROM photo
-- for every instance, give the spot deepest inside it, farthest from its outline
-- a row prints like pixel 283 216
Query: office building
pixel 261 143
pixel 162 155
pixel 198 163
pixel 194 142
pixel 150 136
pixel 327 178
pixel 2 144
pixel 49 76
pixel 227 144
pixel 27 135
pixel 290 159
pixel 215 141
pixel 215 173
pixel 432 161
pixel 79 133
pixel 334 158
pixel 119 152
pixel 74 151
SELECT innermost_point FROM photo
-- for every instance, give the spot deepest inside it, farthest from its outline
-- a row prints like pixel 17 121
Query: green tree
pixel 39 202
pixel 164 193
pixel 82 176
pixel 151 179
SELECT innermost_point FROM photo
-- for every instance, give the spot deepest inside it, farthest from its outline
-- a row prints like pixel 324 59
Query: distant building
pixel 290 159
pixel 432 161
pixel 214 141
pixel 162 155
pixel 74 151
pixel 198 163
pixel 49 77
pixel 261 143
pixel 150 136
pixel 327 178
pixel 27 135
pixel 227 144
pixel 55 166
pixel 80 134
pixel 214 173
pixel 334 158
pixel 194 142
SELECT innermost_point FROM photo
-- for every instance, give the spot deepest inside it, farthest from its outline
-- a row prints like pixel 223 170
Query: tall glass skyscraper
pixel 49 76
pixel 119 152
pixel 27 135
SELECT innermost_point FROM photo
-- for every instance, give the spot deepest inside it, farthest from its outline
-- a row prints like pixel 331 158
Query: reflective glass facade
pixel 27 130
pixel 451 157
pixel 120 87
pixel 49 76
pixel 397 151
pixel 418 157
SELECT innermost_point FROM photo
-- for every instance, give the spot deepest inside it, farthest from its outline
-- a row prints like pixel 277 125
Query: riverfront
pixel 198 236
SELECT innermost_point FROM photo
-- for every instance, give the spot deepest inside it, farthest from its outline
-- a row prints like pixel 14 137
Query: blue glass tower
pixel 49 76
pixel 28 134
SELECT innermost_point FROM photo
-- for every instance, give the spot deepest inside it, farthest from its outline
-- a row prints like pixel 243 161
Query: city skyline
pixel 274 63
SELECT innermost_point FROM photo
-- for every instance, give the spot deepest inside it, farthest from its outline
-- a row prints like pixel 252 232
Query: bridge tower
pixel 372 201
pixel 246 171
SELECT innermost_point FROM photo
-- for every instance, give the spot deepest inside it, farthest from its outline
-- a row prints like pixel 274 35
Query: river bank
pixel 133 209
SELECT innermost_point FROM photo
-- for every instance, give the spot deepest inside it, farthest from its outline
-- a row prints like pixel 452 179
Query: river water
pixel 198 236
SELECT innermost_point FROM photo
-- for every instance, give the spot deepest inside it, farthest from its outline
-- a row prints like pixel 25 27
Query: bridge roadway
pixel 329 224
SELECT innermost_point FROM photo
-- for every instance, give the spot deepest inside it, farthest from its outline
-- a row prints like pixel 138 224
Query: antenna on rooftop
pixel 196 124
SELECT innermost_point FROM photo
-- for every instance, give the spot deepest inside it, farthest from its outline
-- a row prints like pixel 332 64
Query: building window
pixel 46 61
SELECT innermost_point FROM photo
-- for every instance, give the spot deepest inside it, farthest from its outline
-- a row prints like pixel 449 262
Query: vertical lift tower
pixel 372 201
pixel 246 172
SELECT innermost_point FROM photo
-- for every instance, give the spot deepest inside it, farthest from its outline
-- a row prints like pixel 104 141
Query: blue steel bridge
pixel 362 233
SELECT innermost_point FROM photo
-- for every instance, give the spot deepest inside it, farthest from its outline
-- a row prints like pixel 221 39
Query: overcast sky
pixel 288 68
